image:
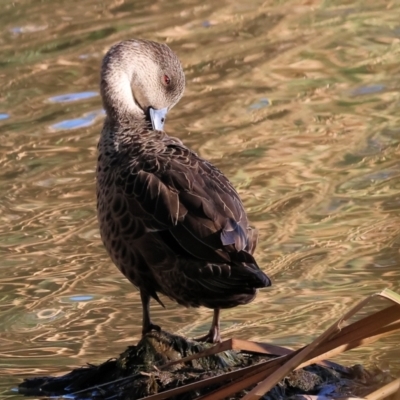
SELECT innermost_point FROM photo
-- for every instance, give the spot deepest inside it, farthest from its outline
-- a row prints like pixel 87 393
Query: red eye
pixel 166 79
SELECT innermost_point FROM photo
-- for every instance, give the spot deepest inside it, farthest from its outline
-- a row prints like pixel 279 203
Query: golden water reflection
pixel 297 102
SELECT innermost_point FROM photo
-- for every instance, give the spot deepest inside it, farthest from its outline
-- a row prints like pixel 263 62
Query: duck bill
pixel 157 118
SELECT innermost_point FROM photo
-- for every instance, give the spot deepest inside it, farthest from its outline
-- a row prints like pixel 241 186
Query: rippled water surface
pixel 296 101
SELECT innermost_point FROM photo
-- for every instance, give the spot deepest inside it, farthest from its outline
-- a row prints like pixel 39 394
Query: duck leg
pixel 213 336
pixel 147 325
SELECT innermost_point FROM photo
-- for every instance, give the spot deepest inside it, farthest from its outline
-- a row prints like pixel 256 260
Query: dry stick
pixel 233 344
pixel 259 347
pixel 214 380
pixel 247 375
pixel 378 323
pixel 276 376
pixel 239 384
pixel 330 351
pixel 251 379
pixel 269 382
pixel 385 391
pixel 371 322
pixel 241 376
pixel 244 377
pixel 330 346
pixel 345 347
pixel 245 346
pixel 265 348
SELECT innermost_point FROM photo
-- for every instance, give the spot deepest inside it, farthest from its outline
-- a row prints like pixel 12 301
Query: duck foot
pixel 211 337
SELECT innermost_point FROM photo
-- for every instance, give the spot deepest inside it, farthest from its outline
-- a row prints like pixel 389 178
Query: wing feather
pixel 181 193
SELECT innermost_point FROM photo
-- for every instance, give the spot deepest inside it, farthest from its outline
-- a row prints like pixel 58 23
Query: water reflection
pixel 82 122
pixel 296 102
pixel 66 98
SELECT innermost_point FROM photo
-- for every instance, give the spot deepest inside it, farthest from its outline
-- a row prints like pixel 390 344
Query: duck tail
pixel 257 277
pixel 262 280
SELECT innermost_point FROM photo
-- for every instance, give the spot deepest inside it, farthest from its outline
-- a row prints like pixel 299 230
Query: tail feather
pixel 253 276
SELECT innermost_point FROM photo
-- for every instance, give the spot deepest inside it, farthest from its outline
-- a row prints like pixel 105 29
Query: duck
pixel 170 220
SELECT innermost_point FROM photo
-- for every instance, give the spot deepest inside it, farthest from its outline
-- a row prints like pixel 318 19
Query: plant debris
pixel 163 365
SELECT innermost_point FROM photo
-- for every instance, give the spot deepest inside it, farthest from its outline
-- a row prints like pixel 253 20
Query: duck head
pixel 141 79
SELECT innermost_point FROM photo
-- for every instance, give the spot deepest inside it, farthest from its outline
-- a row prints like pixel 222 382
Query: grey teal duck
pixel 170 220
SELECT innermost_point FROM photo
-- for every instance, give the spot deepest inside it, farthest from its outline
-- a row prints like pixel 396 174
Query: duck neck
pixel 124 115
pixel 122 134
pixel 116 91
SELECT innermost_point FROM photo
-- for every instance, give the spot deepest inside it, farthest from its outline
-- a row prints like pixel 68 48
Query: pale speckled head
pixel 141 78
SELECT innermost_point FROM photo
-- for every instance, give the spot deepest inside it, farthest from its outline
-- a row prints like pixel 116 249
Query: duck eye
pixel 166 80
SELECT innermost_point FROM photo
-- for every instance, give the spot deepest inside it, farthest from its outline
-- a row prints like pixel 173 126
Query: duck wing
pixel 191 204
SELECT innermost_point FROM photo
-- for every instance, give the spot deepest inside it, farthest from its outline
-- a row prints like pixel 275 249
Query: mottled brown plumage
pixel 170 220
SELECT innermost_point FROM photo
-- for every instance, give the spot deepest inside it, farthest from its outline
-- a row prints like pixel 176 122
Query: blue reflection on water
pixel 81 298
pixel 82 122
pixel 363 90
pixel 263 102
pixel 66 98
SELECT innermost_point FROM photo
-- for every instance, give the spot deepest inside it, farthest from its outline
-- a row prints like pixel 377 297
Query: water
pixel 297 102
